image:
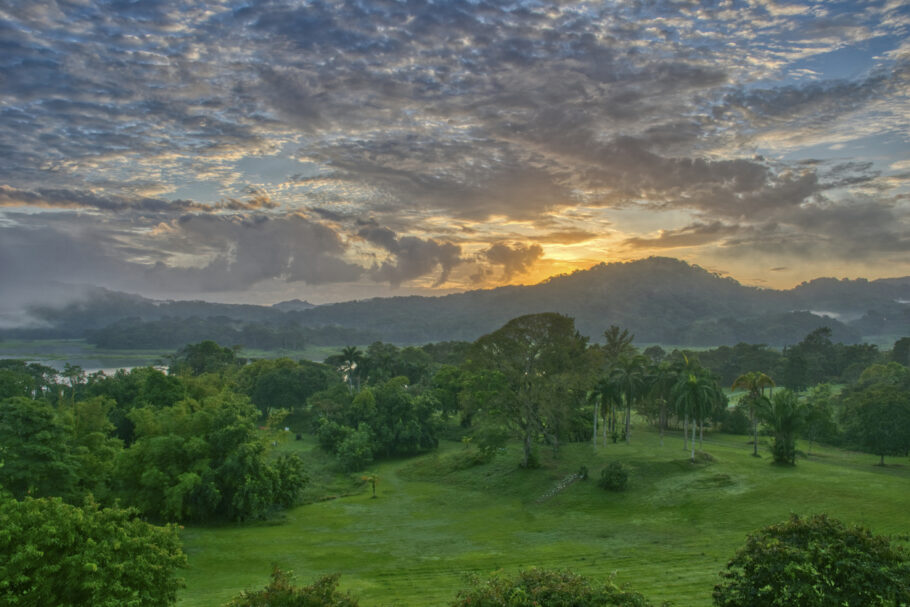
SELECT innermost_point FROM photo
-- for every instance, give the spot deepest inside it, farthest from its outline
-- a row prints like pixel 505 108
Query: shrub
pixel 282 593
pixel 542 587
pixel 815 562
pixel 736 421
pixel 614 477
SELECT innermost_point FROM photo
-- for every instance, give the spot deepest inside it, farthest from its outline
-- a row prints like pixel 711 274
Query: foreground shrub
pixel 815 562
pixel 614 477
pixel 52 553
pixel 543 587
pixel 282 593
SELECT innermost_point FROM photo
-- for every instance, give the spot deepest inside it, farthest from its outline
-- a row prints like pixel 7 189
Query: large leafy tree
pixel 754 382
pixel 877 411
pixel 536 356
pixel 35 450
pixel 52 553
pixel 815 562
pixel 202 461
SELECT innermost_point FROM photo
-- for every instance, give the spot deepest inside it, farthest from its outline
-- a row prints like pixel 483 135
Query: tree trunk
pixel 686 433
pixel 662 422
pixel 693 441
pixel 596 412
pixel 527 450
pixel 754 436
pixel 628 422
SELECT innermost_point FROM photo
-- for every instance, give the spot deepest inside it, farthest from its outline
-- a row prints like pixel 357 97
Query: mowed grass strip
pixel 667 536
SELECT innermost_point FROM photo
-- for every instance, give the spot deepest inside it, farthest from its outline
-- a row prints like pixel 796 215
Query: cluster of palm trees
pixel 686 390
pixel 681 387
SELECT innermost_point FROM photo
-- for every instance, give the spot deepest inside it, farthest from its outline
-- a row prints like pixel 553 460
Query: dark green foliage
pixel 204 357
pixel 34 450
pixel 786 416
pixel 281 592
pixel 529 374
pixel 901 351
pixel 204 461
pixel 614 477
pixel 876 412
pixel 355 451
pixel 735 420
pixel 546 588
pixel 820 425
pixel 815 562
pixel 282 383
pixel 380 421
pixel 52 553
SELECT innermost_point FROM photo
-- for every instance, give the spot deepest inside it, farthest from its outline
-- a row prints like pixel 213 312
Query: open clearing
pixel 667 535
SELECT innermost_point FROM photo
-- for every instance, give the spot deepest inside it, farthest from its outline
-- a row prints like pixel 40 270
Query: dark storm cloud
pixel 410 257
pixel 241 251
pixel 514 259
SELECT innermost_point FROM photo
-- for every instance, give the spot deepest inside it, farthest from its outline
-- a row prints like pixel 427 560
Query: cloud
pixel 195 253
pixel 433 117
pixel 514 259
pixel 690 236
pixel 410 257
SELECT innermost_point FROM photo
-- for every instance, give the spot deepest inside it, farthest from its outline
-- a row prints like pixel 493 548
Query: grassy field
pixel 667 535
pixel 56 352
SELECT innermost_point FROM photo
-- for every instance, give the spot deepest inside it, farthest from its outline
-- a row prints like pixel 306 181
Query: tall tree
pixel 618 343
pixel 534 355
pixel 694 394
pixel 627 373
pixel 754 382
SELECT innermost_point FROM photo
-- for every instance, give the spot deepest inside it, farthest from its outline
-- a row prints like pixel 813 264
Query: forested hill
pixel 658 299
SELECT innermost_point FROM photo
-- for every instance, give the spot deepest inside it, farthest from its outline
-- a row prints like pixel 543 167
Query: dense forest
pixel 661 300
pixel 194 443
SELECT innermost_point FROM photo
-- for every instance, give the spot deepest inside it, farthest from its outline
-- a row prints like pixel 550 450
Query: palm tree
pixel 627 373
pixel 351 358
pixel 755 383
pixel 786 416
pixel 660 380
pixel 604 395
pixel 693 394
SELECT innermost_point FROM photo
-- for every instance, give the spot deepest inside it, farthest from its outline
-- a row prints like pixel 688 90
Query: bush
pixel 542 587
pixel 282 593
pixel 614 477
pixel 736 421
pixel 356 451
pixel 815 562
pixel 52 553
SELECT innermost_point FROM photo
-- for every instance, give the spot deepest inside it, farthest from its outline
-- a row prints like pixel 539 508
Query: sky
pixel 263 150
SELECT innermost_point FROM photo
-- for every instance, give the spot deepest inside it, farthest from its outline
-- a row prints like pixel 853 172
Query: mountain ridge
pixel 659 299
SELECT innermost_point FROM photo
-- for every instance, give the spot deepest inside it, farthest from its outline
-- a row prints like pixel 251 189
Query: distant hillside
pixel 659 299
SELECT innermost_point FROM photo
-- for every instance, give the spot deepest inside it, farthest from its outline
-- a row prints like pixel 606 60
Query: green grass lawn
pixel 79 352
pixel 667 535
